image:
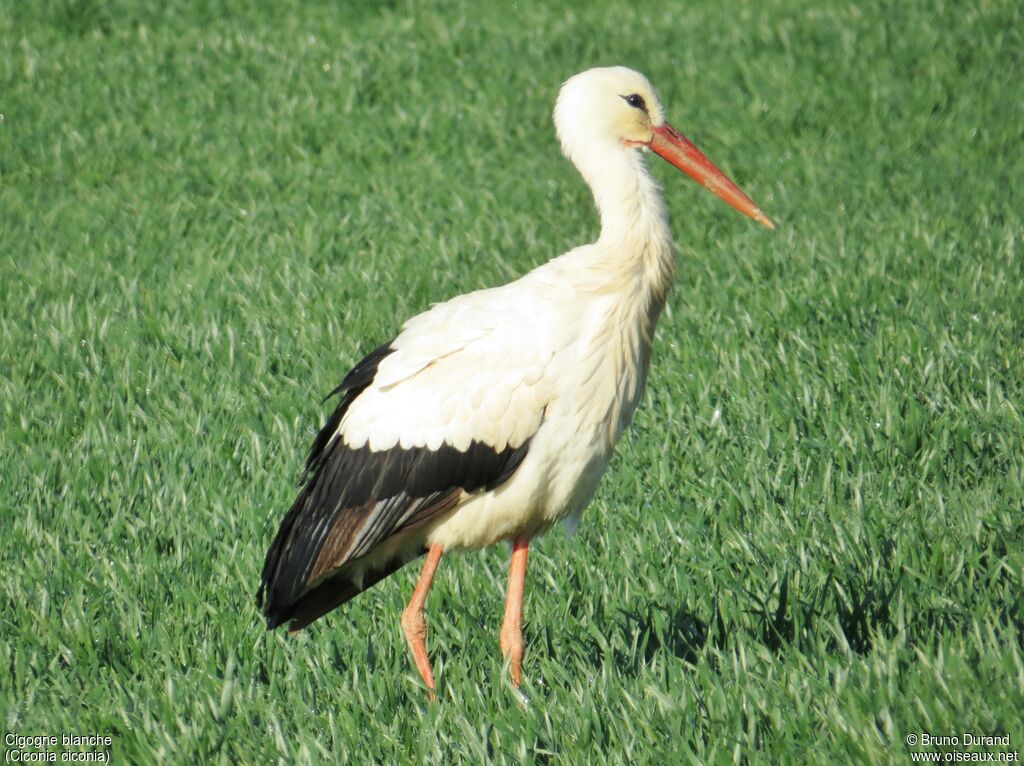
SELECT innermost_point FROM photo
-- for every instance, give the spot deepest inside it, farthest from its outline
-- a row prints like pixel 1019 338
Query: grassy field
pixel 810 546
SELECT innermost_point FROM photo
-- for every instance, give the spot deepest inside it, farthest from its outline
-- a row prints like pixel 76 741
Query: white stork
pixel 493 415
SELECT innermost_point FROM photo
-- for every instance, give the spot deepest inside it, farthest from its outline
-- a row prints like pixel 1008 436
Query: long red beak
pixel 673 146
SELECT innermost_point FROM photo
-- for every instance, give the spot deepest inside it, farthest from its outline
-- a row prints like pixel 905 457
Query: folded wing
pixel 444 411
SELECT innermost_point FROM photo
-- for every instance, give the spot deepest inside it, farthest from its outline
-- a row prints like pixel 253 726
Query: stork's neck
pixel 635 237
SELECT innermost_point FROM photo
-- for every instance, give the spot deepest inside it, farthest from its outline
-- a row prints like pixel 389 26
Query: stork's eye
pixel 636 101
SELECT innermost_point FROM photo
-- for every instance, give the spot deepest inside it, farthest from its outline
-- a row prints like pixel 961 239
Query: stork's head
pixel 616 109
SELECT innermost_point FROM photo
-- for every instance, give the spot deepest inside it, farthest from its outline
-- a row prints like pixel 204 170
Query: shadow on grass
pixel 843 614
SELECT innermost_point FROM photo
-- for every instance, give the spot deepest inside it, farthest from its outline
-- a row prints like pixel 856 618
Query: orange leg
pixel 511 637
pixel 413 624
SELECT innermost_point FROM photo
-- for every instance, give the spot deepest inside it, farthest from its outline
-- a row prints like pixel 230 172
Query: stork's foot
pixel 414 624
pixel 511 641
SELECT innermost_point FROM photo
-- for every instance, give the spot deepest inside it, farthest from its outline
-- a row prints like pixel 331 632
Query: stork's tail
pixel 328 595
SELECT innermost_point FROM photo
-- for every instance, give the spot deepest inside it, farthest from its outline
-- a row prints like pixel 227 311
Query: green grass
pixel 810 545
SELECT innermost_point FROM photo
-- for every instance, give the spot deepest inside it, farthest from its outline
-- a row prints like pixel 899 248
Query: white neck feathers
pixel 635 241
